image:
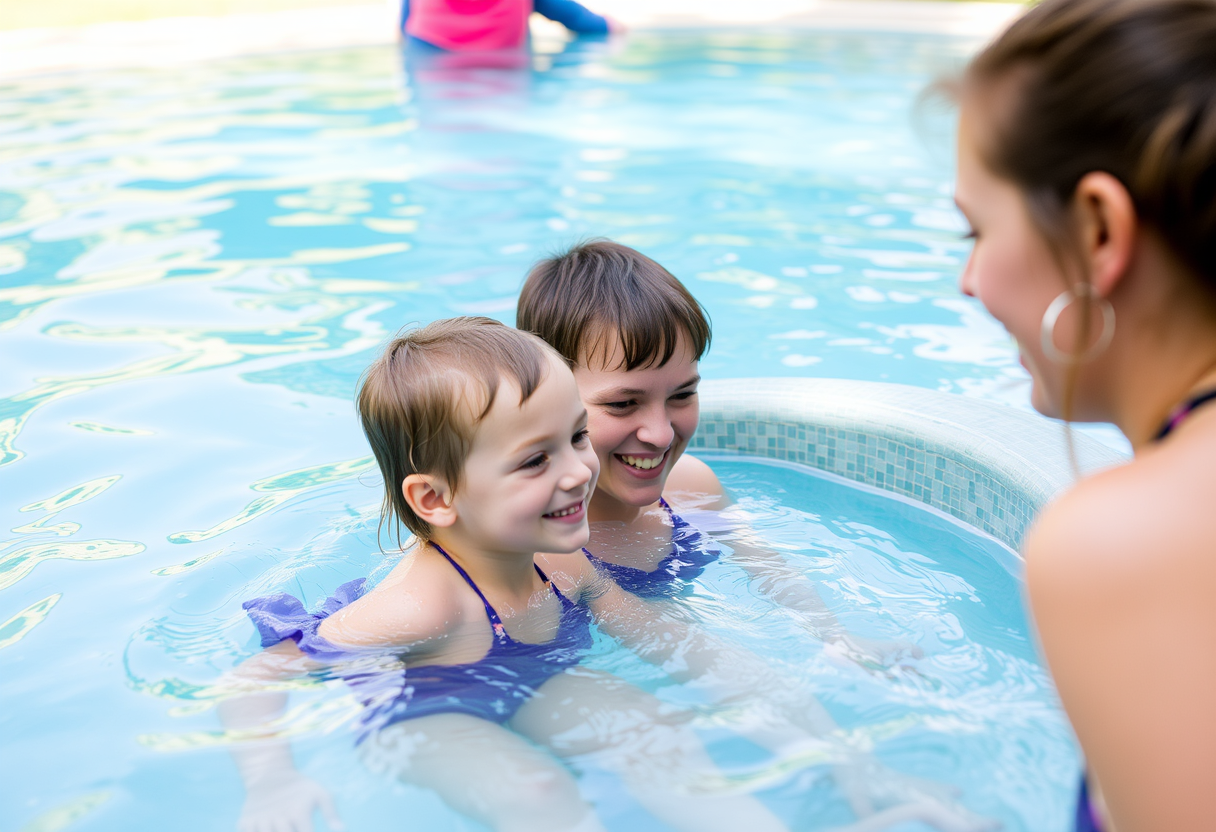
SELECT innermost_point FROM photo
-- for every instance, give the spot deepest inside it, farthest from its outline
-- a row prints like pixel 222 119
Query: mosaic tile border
pixel 989 465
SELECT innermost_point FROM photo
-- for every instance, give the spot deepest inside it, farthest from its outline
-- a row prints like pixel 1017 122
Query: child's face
pixel 531 470
pixel 640 421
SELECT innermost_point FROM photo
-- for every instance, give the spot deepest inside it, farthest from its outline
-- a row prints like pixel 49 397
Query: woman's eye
pixel 536 461
pixel 618 405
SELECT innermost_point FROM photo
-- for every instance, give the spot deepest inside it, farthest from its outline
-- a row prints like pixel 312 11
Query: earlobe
pixel 430 498
pixel 1108 226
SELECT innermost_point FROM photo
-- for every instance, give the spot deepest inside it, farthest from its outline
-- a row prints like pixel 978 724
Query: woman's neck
pixel 1160 371
pixel 605 508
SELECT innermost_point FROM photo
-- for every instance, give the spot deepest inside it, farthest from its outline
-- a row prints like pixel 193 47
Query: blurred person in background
pixel 490 25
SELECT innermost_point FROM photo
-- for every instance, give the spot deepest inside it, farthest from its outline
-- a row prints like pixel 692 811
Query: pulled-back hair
pixel 1126 87
pixel 583 300
pixel 421 401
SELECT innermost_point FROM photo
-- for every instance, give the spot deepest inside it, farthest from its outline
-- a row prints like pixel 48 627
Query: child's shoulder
pixel 418 602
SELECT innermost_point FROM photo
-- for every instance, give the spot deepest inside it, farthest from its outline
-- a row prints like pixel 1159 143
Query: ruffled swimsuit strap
pixel 496 624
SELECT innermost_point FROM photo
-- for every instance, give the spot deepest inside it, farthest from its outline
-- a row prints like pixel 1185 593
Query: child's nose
pixel 576 476
pixel 656 428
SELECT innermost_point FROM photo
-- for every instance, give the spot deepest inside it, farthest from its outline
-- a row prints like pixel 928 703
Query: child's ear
pixel 430 498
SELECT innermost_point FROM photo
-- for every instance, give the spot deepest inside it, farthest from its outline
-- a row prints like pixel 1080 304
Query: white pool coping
pixel 177 41
pixel 987 464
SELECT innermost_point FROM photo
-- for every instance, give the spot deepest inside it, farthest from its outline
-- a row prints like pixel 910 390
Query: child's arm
pixel 574 16
pixel 793 722
pixel 693 484
pixel 785 584
pixel 278 796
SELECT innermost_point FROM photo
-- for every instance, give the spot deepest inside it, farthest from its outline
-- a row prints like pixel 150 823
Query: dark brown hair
pixel 581 301
pixel 420 402
pixel 1126 87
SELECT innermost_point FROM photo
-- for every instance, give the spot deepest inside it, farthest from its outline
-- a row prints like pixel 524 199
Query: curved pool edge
pixel 989 465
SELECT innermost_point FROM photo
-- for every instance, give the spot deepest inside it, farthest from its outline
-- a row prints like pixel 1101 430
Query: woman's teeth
pixel 644 464
pixel 565 512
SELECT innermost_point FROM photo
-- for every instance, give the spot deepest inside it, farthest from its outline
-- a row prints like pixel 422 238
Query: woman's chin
pixel 1043 403
pixel 636 494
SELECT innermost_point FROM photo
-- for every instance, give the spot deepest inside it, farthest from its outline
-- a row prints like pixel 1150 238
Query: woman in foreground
pixel 1087 169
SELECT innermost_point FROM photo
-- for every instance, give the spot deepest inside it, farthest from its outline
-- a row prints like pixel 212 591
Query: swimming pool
pixel 194 269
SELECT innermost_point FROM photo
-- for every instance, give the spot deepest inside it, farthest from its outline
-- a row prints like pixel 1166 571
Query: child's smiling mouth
pixel 570 513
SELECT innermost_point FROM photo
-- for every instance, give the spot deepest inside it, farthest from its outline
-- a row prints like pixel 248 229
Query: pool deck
pixel 177 41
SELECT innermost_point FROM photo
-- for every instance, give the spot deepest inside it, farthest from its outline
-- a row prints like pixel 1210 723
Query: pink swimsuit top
pixel 470 24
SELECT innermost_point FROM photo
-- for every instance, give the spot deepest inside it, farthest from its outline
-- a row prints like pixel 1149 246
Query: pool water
pixel 195 267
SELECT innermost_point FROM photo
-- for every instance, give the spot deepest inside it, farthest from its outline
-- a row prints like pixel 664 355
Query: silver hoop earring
pixel 1051 317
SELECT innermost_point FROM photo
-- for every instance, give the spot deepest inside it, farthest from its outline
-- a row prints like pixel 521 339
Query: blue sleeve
pixel 572 15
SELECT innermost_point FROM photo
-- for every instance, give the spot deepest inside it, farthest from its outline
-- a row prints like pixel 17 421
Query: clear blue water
pixel 195 267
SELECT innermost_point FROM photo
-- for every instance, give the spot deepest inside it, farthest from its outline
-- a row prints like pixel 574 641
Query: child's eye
pixel 536 461
pixel 580 438
pixel 683 397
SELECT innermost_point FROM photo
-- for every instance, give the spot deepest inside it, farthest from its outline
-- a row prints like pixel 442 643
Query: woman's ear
pixel 430 498
pixel 1108 229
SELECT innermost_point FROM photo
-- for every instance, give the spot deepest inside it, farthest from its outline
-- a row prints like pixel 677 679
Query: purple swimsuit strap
pixel 500 630
pixel 1182 411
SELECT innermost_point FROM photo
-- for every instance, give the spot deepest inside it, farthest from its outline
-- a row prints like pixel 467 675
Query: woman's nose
pixel 656 429
pixel 966 280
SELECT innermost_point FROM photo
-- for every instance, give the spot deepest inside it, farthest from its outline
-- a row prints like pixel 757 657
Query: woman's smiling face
pixel 640 422
pixel 1011 270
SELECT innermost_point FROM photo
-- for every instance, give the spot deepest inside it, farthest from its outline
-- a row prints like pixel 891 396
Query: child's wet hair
pixel 585 299
pixel 421 401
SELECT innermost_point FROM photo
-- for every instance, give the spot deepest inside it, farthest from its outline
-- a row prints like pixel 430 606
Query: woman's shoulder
pixel 1149 521
pixel 693 484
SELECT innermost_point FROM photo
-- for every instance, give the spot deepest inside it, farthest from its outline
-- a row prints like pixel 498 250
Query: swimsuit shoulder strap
pixel 491 613
pixel 1182 411
pixel 552 585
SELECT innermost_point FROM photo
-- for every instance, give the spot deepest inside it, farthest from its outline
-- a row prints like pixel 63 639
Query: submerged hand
pixel 871 654
pixel 286 804
pixel 937 815
pixel 882 798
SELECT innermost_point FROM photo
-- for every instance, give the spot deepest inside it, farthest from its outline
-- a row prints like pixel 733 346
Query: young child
pixel 634 335
pixel 465 656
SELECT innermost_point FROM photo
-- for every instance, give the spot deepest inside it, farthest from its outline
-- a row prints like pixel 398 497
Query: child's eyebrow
pixel 541 439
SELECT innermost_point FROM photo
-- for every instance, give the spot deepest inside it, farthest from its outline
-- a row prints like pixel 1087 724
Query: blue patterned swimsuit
pixel 492 688
pixel 690 554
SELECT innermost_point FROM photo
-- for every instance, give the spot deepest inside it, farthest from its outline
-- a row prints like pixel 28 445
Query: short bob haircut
pixel 581 301
pixel 421 401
